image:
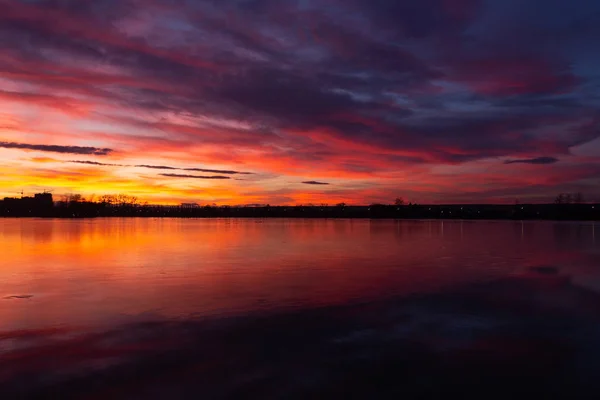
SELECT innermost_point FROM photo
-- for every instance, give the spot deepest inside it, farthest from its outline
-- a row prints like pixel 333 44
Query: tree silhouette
pixel 73 198
pixel 108 199
pixel 568 198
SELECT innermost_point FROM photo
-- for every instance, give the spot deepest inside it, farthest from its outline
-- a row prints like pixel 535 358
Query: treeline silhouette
pixel 75 206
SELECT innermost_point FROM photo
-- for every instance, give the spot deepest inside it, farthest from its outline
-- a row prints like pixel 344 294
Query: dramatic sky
pixel 306 101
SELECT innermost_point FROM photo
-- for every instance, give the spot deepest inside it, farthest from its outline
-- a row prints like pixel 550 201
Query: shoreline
pixel 42 205
pixel 336 218
pixel 524 212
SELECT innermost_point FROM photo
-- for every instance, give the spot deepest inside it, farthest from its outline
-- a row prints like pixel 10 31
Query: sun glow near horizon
pixel 227 106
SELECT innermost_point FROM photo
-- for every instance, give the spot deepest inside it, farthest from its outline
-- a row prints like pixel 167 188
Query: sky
pixel 297 102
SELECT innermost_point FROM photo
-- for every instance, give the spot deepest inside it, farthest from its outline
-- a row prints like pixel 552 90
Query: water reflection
pixel 108 271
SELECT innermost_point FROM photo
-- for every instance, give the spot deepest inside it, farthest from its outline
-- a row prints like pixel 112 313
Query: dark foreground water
pixel 227 309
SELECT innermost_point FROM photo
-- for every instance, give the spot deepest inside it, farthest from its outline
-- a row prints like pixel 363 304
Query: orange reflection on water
pixel 107 271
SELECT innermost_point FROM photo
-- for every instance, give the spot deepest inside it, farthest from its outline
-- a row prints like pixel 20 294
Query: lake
pixel 64 280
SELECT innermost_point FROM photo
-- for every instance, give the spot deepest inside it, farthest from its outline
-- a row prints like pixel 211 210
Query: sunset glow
pixel 288 102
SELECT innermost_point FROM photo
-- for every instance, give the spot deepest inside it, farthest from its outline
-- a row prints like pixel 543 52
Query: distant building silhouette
pixel 43 200
pixel 40 204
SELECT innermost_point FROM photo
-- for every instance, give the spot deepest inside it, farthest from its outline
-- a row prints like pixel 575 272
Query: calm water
pixel 298 309
pixel 87 273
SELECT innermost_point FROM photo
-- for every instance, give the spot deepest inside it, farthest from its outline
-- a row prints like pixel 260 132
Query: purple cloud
pixel 348 88
pixel 536 161
pixel 94 151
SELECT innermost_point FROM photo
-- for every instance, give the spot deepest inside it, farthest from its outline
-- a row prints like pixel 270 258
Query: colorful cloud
pixel 239 101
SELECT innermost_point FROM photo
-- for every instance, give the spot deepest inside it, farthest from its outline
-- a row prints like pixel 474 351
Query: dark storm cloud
pixel 537 161
pixel 315 183
pixel 94 151
pixel 194 176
